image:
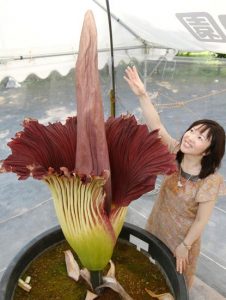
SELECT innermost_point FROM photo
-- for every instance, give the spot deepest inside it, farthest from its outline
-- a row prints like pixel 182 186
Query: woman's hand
pixel 134 81
pixel 181 254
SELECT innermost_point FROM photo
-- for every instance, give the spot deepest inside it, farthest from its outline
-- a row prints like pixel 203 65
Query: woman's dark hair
pixel 215 152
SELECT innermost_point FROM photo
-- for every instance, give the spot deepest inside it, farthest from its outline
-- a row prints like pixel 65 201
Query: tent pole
pixel 112 91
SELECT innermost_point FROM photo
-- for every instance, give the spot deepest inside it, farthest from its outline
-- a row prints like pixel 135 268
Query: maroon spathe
pixel 136 155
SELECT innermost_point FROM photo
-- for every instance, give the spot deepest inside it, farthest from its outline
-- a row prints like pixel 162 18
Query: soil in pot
pixel 49 279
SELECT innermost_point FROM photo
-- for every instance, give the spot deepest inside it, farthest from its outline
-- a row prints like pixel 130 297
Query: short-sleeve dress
pixel 175 210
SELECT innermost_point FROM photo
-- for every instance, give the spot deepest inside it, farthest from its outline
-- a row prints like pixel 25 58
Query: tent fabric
pixel 39 37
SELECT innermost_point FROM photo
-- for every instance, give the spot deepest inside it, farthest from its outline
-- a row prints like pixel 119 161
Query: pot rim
pixel 144 240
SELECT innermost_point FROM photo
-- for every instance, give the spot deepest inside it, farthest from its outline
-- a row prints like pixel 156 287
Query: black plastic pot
pixel 145 241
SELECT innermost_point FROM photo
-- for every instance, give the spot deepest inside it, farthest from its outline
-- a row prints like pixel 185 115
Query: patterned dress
pixel 175 210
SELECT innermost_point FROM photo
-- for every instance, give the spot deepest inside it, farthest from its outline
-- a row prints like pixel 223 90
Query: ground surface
pixel 26 208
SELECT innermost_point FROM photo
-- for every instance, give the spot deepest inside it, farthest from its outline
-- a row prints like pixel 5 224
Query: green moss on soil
pixel 49 279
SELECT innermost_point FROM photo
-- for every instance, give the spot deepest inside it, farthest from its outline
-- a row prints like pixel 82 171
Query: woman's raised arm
pixel 150 113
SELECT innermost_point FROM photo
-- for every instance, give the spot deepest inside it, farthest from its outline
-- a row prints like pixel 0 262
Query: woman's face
pixel 195 141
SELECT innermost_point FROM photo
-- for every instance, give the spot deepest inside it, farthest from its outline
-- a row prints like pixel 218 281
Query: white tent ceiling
pixel 38 37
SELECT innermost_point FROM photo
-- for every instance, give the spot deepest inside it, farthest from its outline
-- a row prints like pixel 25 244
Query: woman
pixel 187 197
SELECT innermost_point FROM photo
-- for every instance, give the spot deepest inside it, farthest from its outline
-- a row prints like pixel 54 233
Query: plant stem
pixel 96 278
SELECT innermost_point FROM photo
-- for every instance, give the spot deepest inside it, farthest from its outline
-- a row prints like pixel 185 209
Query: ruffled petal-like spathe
pixel 137 157
pixel 39 150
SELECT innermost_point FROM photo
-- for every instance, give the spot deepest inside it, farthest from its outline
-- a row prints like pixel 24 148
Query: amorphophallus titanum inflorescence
pixel 93 168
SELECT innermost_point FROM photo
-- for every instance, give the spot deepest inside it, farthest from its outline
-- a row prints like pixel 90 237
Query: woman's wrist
pixel 188 247
pixel 143 94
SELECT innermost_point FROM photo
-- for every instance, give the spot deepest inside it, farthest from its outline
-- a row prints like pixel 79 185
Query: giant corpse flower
pixel 93 168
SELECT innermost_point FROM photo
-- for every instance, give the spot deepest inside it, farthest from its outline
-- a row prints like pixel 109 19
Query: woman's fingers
pixel 132 72
pixel 129 71
pixel 128 76
pixel 181 265
pixel 177 264
pixel 184 265
pixel 127 79
pixel 187 261
pixel 136 73
pixel 133 79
